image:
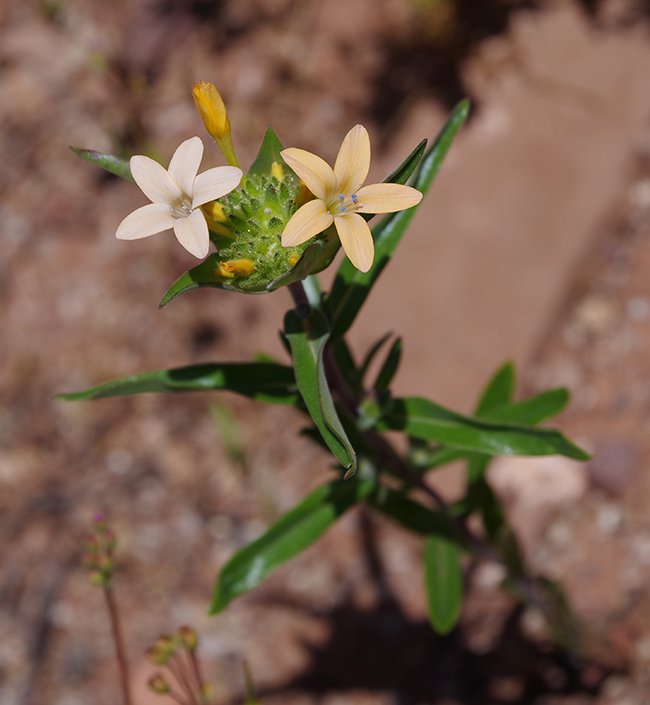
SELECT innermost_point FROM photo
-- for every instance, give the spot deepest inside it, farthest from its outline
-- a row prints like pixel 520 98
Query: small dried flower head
pixel 98 553
pixel 188 638
pixel 158 684
pixel 162 651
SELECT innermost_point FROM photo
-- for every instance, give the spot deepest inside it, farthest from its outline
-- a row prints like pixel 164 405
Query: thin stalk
pixel 176 668
pixel 196 669
pixel 118 641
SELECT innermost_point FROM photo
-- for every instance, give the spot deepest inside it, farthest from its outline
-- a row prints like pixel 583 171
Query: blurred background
pixel 534 246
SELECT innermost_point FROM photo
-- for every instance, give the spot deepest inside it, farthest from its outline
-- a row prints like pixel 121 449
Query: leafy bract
pixel 268 153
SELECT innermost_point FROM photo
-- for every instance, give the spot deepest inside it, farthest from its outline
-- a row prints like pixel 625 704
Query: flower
pixel 340 197
pixel 177 194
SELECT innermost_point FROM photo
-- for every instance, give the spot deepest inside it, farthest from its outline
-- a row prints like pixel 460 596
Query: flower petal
pixel 192 233
pixel 314 171
pixel 307 221
pixel 156 184
pixel 356 240
pixel 148 220
pixel 387 198
pixel 215 183
pixel 185 163
pixel 353 160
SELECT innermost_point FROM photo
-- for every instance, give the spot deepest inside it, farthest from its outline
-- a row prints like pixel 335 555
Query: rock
pixel 534 490
pixel 614 466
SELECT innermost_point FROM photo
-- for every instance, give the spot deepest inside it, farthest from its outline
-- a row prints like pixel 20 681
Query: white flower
pixel 177 194
pixel 340 197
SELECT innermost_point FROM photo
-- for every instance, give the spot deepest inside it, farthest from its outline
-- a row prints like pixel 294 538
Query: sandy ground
pixel 533 246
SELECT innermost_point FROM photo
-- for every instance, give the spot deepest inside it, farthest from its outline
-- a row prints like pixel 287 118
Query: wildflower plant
pixel 278 226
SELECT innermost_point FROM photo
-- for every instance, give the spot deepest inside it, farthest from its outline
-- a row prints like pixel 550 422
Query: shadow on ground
pixel 383 650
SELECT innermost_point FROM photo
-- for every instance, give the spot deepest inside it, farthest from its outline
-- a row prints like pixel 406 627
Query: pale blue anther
pixel 355 198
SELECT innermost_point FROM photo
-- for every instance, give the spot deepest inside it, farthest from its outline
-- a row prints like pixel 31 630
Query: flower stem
pixel 118 641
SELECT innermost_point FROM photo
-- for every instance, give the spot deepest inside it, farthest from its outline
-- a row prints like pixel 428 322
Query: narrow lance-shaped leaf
pixel 372 353
pixel 307 338
pixel 533 410
pixel 109 162
pixel 499 390
pixel 390 366
pixel 444 583
pixel 412 515
pixel 352 287
pixel 263 381
pixel 289 535
pixel 425 419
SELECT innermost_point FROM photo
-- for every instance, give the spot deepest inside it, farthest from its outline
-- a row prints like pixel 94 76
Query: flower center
pixel 182 206
pixel 343 204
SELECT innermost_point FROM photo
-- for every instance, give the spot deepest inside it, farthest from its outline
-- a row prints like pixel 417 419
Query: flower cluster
pixel 249 224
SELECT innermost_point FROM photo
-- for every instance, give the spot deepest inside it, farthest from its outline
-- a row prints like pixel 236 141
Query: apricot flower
pixel 340 197
pixel 177 194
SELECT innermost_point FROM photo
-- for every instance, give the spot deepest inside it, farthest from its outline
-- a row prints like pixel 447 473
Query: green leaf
pixel 268 153
pixel 403 172
pixel 499 390
pixel 108 162
pixel 412 515
pixel 267 382
pixel 444 583
pixel 352 287
pixel 288 536
pixel 425 419
pixel 372 353
pixel 307 338
pixel 533 410
pixel 390 366
pixel 424 458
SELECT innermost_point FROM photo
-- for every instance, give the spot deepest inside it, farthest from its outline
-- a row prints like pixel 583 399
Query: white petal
pixel 387 198
pixel 185 163
pixel 314 171
pixel 307 221
pixel 148 220
pixel 192 233
pixel 356 240
pixel 215 183
pixel 353 160
pixel 156 184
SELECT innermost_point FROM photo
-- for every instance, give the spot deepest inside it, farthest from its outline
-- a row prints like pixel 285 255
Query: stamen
pixel 355 198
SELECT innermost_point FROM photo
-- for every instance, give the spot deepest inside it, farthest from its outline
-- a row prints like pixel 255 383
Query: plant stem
pixel 387 457
pixel 118 641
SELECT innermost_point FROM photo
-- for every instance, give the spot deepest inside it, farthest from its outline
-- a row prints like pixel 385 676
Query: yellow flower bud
pixel 235 268
pixel 213 112
pixel 216 218
pixel 277 171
